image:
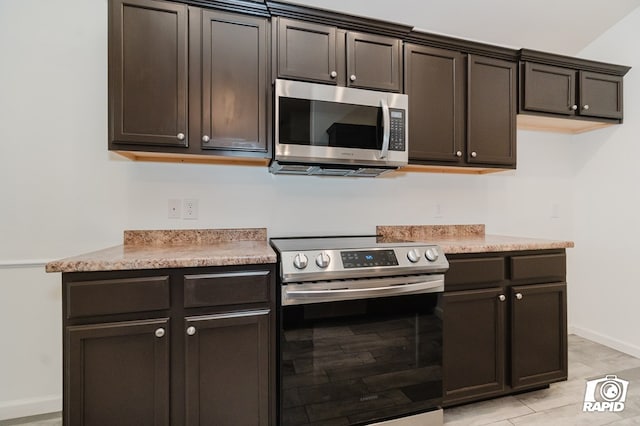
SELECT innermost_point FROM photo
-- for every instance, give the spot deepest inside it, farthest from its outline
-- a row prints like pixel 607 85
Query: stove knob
pixel 323 260
pixel 431 255
pixel 300 261
pixel 413 256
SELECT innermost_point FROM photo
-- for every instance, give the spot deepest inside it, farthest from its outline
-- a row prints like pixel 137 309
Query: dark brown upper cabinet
pixel 374 62
pixel 326 54
pixel 435 82
pixel 583 94
pixel 306 51
pixel 564 91
pixel 491 111
pixel 148 73
pixel 187 80
pixel 600 95
pixel 234 82
pixel 462 108
pixel 549 89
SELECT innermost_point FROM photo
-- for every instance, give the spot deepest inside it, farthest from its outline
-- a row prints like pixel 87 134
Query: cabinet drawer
pixel 474 271
pixel 226 288
pixel 544 267
pixel 118 296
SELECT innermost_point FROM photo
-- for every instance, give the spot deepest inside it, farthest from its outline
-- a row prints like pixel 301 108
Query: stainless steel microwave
pixel 328 130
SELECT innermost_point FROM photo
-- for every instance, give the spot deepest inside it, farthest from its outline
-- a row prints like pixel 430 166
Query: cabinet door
pixel 374 62
pixel 148 73
pixel 227 369
pixel 549 89
pixel 538 334
pixel 307 51
pixel 234 81
pixel 434 81
pixel 473 344
pixel 117 374
pixel 491 114
pixel 600 95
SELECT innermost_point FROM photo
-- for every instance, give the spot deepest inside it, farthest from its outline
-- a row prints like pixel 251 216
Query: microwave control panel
pixel 398 130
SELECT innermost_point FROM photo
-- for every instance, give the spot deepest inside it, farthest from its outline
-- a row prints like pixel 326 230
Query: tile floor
pixel 560 404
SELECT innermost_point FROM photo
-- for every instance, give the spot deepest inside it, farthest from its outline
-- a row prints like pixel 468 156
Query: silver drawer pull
pixel 191 330
pixel 159 332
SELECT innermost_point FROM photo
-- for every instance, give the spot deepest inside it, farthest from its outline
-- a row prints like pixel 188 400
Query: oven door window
pixel 355 362
pixel 331 124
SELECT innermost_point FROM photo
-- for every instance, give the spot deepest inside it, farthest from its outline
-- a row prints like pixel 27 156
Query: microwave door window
pixel 332 124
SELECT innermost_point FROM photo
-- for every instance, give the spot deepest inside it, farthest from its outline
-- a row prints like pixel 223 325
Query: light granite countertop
pixel 225 247
pixel 175 249
pixel 466 238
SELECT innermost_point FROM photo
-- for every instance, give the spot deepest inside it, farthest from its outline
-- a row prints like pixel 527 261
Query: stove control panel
pixel 319 265
pixel 368 258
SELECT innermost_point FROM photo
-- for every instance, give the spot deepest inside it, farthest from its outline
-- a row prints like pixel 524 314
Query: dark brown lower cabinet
pixel 474 346
pixel 230 349
pixel 131 357
pixel 538 334
pixel 505 324
pixel 117 374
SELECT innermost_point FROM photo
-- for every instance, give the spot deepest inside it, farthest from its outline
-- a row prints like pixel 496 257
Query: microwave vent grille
pixel 326 170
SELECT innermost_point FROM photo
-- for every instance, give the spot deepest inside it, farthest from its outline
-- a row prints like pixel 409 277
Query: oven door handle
pixel 299 297
pixel 386 129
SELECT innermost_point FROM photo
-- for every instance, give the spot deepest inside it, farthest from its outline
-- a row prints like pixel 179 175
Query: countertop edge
pixel 458 248
pixel 105 266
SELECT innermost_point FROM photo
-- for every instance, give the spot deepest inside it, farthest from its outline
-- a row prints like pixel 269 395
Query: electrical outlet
pixel 437 211
pixel 190 208
pixel 175 208
pixel 555 211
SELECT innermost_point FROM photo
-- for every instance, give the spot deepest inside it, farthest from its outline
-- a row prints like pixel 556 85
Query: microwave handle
pixel 386 128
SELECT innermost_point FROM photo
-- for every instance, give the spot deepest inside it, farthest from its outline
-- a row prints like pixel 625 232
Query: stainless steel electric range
pixel 360 331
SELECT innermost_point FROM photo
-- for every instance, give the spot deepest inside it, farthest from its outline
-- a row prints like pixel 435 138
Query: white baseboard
pixel 616 344
pixel 30 407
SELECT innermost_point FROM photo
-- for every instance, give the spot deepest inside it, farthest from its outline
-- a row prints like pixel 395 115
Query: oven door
pixel 318 123
pixel 359 361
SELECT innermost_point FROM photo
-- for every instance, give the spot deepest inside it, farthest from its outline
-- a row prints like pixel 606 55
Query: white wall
pixel 607 205
pixel 63 193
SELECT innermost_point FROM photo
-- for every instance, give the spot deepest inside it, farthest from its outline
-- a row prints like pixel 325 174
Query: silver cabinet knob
pixel 474 154
pixel 458 153
pixel 300 261
pixel 323 260
pixel 191 330
pixel 333 74
pixel 353 77
pixel 413 256
pixel 159 332
pixel 519 296
pixel 502 298
pixel 180 136
pixel 206 139
pixel 586 107
pixel 574 107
